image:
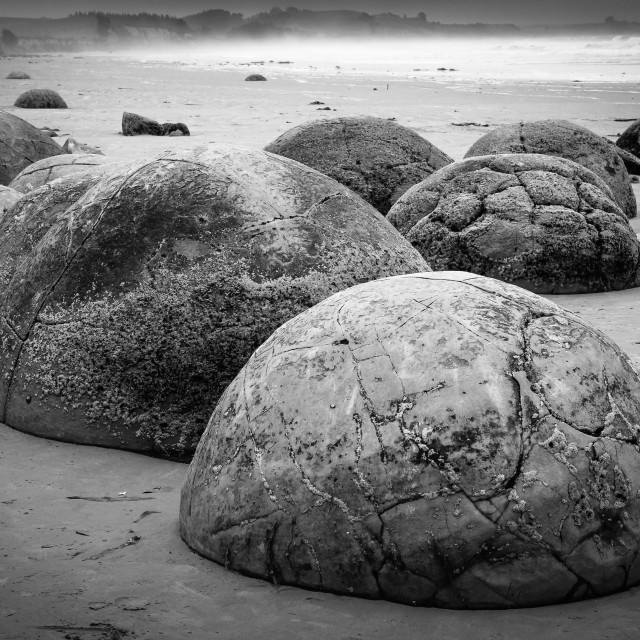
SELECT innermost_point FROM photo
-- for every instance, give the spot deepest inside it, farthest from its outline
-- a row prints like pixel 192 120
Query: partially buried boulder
pixel 175 129
pixel 20 145
pixel 129 300
pixel 378 159
pixel 49 169
pixel 74 146
pixel 565 140
pixel 136 125
pixel 255 77
pixel 40 99
pixel 630 139
pixel 438 439
pixel 8 197
pixel 541 222
pixel 18 75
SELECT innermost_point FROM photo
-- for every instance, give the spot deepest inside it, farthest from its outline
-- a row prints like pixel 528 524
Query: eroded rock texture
pixel 436 439
pixel 40 99
pixel 8 197
pixel 378 159
pixel 48 169
pixel 129 300
pixel 543 223
pixel 20 145
pixel 565 140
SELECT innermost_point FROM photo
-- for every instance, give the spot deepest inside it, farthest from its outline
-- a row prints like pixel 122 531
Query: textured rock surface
pixel 541 222
pixel 8 197
pixel 630 139
pixel 255 77
pixel 436 439
pixel 565 140
pixel 40 99
pixel 18 75
pixel 136 125
pixel 130 300
pixel 20 145
pixel 48 169
pixel 631 162
pixel 378 159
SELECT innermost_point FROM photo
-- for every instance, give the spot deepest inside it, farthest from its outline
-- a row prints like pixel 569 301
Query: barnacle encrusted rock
pixel 436 439
pixel 563 139
pixel 129 300
pixel 378 159
pixel 40 99
pixel 20 145
pixel 544 223
pixel 48 169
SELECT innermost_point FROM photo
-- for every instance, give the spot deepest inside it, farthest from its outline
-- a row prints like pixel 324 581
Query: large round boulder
pixel 435 439
pixel 565 140
pixel 18 75
pixel 40 99
pixel 21 144
pixel 8 197
pixel 630 139
pixel 541 222
pixel 48 169
pixel 131 299
pixel 378 159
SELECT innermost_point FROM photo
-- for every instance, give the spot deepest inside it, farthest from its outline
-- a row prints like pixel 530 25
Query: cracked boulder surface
pixel 630 139
pixel 40 99
pixel 8 197
pixel 129 300
pixel 438 439
pixel 48 169
pixel 564 139
pixel 378 159
pixel 21 144
pixel 546 224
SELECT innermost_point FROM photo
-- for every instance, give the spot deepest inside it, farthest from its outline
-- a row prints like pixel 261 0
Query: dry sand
pixel 99 569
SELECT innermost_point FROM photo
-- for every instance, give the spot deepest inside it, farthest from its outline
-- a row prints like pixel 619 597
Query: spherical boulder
pixel 49 169
pixel 565 140
pixel 18 75
pixel 8 197
pixel 544 223
pixel 434 439
pixel 630 139
pixel 20 145
pixel 130 299
pixel 378 159
pixel 40 99
pixel 255 77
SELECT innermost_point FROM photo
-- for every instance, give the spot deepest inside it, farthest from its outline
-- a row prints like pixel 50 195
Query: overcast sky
pixel 515 11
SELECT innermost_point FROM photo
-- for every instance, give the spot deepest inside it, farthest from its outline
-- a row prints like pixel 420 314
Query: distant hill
pixel 97 30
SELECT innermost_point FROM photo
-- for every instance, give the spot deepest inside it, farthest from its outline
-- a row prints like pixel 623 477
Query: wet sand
pixel 97 569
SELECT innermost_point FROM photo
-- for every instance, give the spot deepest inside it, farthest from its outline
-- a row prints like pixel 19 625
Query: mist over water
pixel 587 59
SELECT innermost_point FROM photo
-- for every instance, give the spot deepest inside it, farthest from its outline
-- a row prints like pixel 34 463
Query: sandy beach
pixel 89 544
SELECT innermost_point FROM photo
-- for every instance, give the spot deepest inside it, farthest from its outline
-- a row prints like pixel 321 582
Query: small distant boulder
pixel 73 146
pixel 175 129
pixel 255 77
pixel 40 99
pixel 630 139
pixel 18 75
pixel 136 125
pixel 563 139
